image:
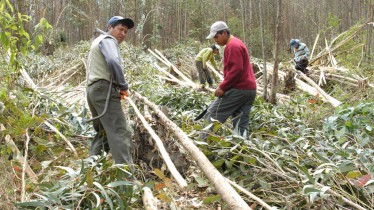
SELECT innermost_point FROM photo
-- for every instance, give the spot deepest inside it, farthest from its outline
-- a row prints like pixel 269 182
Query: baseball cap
pixel 125 21
pixel 217 26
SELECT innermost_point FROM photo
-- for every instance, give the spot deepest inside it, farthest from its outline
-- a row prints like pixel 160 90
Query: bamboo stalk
pixel 62 136
pixel 149 201
pixel 228 194
pixel 164 154
pixel 219 75
pixel 174 67
pixel 173 78
pixel 314 47
pixel 329 98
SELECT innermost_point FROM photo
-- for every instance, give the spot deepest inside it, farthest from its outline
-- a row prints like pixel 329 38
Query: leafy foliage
pixel 95 184
pixel 352 124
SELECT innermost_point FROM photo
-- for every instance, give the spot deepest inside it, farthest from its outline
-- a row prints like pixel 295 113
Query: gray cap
pixel 125 21
pixel 217 26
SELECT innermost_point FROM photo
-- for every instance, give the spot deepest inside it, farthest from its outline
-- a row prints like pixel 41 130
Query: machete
pixel 201 115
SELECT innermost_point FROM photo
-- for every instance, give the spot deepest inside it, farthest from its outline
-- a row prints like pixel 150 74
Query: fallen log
pixel 228 194
pixel 164 154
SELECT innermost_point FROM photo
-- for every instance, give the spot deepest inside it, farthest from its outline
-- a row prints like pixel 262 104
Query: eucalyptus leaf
pixel 119 183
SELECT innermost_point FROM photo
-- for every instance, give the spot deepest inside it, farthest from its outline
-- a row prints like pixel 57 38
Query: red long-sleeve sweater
pixel 237 68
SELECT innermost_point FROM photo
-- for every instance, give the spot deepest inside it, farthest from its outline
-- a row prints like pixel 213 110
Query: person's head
pixel 215 49
pixel 118 26
pixel 294 43
pixel 220 32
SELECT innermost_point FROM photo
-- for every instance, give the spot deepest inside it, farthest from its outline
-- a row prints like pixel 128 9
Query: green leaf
pixel 250 160
pixel 353 174
pixel 97 199
pixel 218 163
pixel 119 183
pixel 307 189
pixel 303 169
pixel 346 166
pixel 212 199
pixel 201 182
pixel 103 192
pixel 159 173
pixel 119 199
pixel 71 171
pixel 89 178
pixel 32 204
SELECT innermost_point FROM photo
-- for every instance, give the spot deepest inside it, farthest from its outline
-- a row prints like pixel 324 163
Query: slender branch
pixel 259 200
pixel 24 166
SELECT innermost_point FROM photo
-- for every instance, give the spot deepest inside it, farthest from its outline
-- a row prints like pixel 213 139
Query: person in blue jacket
pixel 301 54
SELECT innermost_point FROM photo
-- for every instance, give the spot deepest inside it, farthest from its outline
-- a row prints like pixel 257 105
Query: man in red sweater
pixel 237 92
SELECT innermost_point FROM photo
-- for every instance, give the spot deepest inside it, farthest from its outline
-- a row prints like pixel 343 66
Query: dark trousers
pixel 301 65
pixel 235 103
pixel 204 75
pixel 112 130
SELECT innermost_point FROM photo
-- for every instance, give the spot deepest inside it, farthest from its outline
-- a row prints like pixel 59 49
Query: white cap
pixel 217 26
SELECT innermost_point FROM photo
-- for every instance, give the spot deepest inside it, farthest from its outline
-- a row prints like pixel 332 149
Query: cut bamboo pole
pixel 174 67
pixel 173 78
pixel 149 200
pixel 329 98
pixel 164 154
pixel 219 75
pixel 228 194
pixel 168 64
pixel 28 79
pixel 314 47
pixel 158 57
pixel 62 136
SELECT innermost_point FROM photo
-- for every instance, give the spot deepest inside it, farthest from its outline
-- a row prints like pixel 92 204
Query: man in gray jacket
pixel 104 65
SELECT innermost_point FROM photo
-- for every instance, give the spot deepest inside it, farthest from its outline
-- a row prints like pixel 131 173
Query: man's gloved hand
pixel 124 93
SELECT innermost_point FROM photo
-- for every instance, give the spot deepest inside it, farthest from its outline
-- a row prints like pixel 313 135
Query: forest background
pixel 164 23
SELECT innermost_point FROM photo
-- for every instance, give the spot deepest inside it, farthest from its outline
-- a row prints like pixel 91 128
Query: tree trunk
pixel 250 27
pixel 265 80
pixel 274 85
pixel 242 5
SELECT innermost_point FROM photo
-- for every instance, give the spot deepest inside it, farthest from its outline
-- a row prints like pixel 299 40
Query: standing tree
pixel 250 27
pixel 274 84
pixel 242 5
pixel 263 50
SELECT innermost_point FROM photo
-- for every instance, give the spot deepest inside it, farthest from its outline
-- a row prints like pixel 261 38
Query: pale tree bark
pixel 224 11
pixel 274 85
pixel 242 5
pixel 265 80
pixel 250 27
